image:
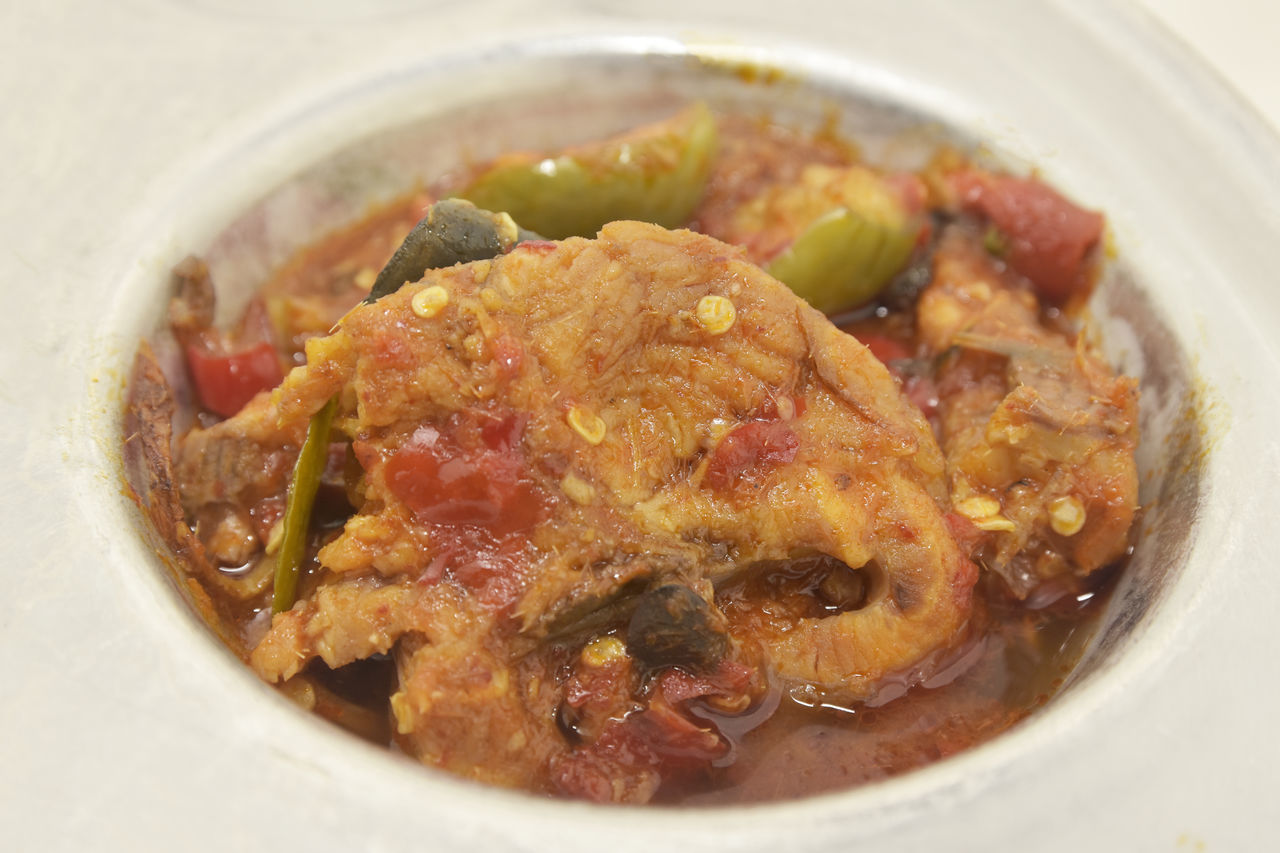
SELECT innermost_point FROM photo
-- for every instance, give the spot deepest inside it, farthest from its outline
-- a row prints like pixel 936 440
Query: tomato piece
pixel 749 451
pixel 646 747
pixel 226 381
pixel 508 356
pixel 964 532
pixel 467 474
pixel 675 741
pixel 1049 236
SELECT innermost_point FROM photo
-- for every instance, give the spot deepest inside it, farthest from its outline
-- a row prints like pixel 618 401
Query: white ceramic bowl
pixel 239 132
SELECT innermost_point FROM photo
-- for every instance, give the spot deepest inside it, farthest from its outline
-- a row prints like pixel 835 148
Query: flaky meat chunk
pixel 548 432
pixel 1039 433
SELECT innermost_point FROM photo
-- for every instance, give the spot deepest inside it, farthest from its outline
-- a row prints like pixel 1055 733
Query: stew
pixel 704 464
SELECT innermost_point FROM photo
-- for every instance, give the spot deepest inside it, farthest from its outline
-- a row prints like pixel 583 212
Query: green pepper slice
pixel 307 472
pixel 654 174
pixel 843 259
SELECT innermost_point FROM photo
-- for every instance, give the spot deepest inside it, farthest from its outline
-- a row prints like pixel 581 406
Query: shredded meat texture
pixel 241 461
pixel 470 706
pixel 1039 434
pixel 566 409
pixel 624 518
pixel 343 622
pixel 606 339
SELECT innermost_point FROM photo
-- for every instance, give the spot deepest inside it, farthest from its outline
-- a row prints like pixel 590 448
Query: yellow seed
pixel 718 428
pixel 1016 434
pixel 365 278
pixel 506 228
pixel 403 713
pixel 473 347
pixel 978 506
pixel 578 490
pixel 499 683
pixel 786 408
pixel 1066 515
pixel 947 315
pixel 429 301
pixel 994 523
pixel 490 299
pixel 602 651
pixel 716 314
pixel 586 424
pixel 980 290
pixel 275 538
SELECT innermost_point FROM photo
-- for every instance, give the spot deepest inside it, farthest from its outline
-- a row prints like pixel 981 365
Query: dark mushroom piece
pixel 453 231
pixel 674 626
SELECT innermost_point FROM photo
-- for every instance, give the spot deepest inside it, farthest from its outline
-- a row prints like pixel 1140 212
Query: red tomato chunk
pixel 1049 236
pixel 749 451
pixel 226 381
pixel 467 473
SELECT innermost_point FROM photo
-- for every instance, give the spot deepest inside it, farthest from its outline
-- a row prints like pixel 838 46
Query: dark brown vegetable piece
pixel 673 626
pixel 453 231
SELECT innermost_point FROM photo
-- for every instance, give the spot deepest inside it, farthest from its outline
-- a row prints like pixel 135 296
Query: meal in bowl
pixel 705 463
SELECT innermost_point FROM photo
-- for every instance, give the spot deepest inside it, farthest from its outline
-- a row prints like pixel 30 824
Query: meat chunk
pixel 1039 433
pixel 467 704
pixel 343 622
pixel 241 461
pixel 524 423
pixel 226 538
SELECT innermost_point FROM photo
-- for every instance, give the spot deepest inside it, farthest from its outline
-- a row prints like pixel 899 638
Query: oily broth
pixel 1015 659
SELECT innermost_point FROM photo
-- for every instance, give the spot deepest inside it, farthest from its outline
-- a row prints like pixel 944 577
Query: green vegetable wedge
pixel 843 259
pixel 654 174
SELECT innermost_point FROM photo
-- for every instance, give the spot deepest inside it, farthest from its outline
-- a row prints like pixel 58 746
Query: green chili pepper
pixel 307 472
pixel 656 174
pixel 843 259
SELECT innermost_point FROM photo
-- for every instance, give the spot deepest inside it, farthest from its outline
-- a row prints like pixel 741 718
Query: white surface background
pixel 68 72
pixel 1240 39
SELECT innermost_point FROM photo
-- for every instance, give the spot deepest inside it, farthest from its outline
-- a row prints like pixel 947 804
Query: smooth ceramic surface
pixel 127 726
